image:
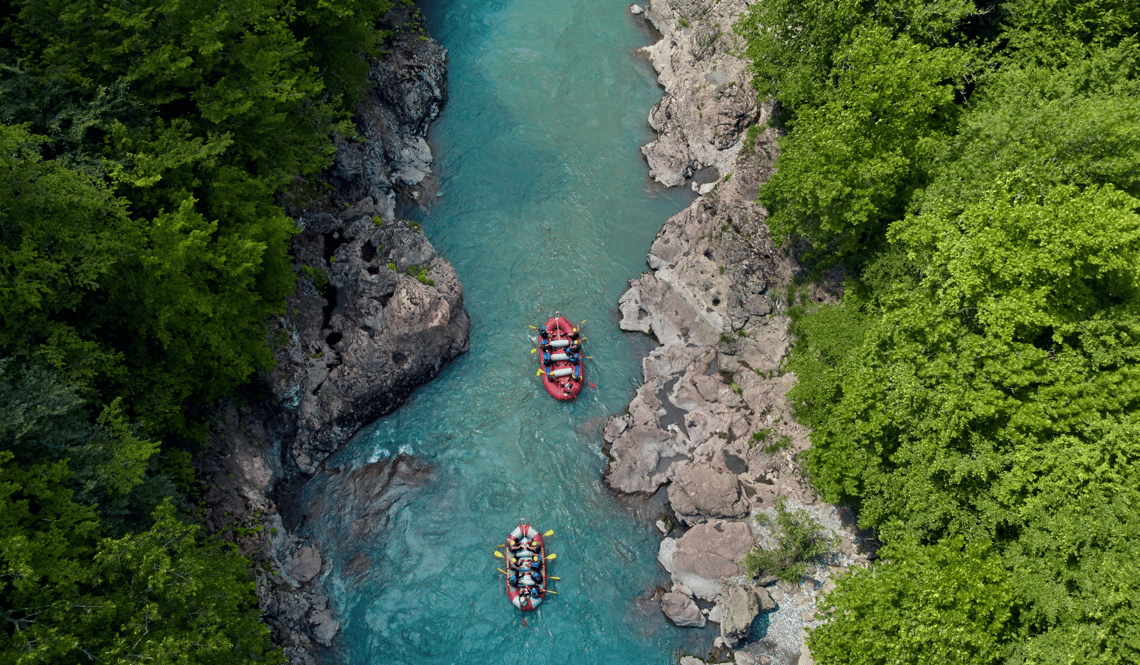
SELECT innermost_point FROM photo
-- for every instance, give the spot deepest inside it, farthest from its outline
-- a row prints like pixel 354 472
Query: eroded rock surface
pixel 711 420
pixel 682 610
pixel 739 605
pixel 708 103
pixel 387 320
pixel 377 312
pixel 391 156
pixel 705 555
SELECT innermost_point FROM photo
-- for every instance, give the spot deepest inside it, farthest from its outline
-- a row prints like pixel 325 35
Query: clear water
pixel 546 206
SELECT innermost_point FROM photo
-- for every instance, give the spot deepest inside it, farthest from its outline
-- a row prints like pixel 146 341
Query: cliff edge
pixel 377 312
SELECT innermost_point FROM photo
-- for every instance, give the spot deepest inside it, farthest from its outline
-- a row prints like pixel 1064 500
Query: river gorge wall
pixel 711 424
pixel 376 313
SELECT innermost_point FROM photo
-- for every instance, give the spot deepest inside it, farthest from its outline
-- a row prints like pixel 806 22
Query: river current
pixel 546 206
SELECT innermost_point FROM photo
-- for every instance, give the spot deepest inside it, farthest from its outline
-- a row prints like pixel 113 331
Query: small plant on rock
pixel 783 442
pixel 319 277
pixel 800 541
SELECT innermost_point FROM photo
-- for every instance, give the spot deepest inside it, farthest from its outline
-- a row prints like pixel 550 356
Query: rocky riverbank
pixel 377 312
pixel 711 422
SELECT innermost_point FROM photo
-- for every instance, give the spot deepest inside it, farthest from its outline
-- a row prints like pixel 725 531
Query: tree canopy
pixel 144 147
pixel 975 394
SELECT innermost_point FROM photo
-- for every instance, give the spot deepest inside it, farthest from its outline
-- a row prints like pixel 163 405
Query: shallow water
pixel 546 206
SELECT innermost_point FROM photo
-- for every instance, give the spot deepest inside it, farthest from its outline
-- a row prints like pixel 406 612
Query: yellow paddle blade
pixel 552 591
pixel 555 578
pixel 501 571
pixel 533 350
pixel 498 554
pixel 539 373
pixel 532 327
pixel 552 556
pixel 549 533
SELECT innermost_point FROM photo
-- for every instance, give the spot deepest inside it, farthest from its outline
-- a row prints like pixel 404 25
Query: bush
pixel 801 540
pixel 319 277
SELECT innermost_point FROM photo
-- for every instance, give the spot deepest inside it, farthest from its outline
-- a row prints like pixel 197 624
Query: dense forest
pixel 974 166
pixel 149 154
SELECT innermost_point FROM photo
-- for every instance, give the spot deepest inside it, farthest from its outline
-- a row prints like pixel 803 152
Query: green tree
pixel 856 155
pixel 172 596
pixel 45 538
pixel 1024 323
pixel 800 542
pixel 945 603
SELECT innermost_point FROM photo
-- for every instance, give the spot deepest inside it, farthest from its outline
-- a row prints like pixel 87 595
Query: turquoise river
pixel 546 206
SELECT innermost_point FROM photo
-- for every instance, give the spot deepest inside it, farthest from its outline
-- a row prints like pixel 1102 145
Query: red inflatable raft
pixel 560 357
pixel 526 568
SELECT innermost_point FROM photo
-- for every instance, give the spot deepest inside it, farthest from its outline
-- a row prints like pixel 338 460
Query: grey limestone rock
pixel 682 611
pixel 767 603
pixel 706 554
pixel 708 102
pixel 388 320
pixel 304 564
pixel 700 492
pixel 739 606
pixel 410 90
pixel 324 626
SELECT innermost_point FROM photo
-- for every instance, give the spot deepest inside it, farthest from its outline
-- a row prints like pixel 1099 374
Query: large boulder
pixel 738 608
pixel 304 564
pixel 707 554
pixel 700 492
pixel 682 610
pixel 386 321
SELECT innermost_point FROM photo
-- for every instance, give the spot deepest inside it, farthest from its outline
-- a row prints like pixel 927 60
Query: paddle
pixel 501 571
pixel 549 533
pixel 552 556
pixel 498 554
